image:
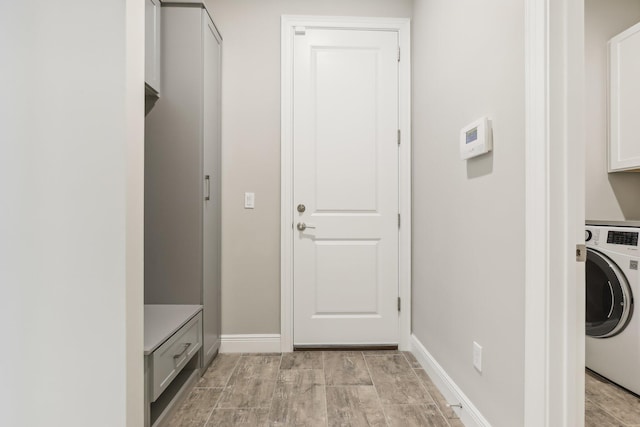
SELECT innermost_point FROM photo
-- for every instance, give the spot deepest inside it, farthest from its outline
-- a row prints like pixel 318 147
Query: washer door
pixel 609 299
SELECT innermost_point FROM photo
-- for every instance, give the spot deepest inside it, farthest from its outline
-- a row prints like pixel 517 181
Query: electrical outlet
pixel 477 356
pixel 249 200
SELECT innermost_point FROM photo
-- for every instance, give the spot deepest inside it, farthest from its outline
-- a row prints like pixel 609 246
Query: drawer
pixel 169 359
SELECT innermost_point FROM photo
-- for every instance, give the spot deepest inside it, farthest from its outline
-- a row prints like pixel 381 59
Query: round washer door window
pixel 608 297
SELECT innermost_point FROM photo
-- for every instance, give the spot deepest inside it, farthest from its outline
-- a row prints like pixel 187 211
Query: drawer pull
pixel 185 347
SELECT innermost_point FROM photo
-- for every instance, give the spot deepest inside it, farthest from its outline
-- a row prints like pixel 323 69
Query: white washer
pixel 612 281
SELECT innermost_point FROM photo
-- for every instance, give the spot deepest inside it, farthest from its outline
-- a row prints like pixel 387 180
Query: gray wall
pixel 251 149
pixel 613 196
pixel 71 163
pixel 468 230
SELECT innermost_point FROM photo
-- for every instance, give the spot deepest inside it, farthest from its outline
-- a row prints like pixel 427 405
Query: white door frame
pixel 554 313
pixel 402 26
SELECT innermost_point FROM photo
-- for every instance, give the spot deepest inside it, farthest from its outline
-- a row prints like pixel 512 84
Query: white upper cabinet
pixel 624 100
pixel 152 46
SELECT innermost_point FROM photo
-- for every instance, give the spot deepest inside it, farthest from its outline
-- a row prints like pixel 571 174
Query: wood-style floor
pixel 370 388
pixel 608 405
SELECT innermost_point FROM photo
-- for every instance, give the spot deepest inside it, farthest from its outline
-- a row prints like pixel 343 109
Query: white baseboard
pixel 469 414
pixel 260 343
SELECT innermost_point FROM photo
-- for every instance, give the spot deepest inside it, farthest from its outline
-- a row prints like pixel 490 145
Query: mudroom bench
pixel 172 343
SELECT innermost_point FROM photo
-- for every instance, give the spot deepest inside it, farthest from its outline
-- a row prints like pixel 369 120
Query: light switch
pixel 477 356
pixel 249 200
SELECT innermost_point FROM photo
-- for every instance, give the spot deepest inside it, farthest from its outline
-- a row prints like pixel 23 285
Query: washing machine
pixel 612 317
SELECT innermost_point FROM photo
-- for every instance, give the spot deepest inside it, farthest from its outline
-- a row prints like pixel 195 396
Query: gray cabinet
pixel 182 171
pixel 152 46
pixel 172 341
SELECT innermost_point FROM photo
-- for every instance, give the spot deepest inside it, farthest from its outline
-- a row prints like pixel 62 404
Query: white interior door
pixel 345 139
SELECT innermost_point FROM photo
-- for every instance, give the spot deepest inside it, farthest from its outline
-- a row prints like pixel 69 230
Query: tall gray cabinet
pixel 182 170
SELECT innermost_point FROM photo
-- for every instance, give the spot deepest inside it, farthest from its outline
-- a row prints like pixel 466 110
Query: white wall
pixel 69 272
pixel 251 149
pixel 468 217
pixel 608 196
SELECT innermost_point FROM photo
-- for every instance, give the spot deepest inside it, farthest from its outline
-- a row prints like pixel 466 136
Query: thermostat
pixel 476 139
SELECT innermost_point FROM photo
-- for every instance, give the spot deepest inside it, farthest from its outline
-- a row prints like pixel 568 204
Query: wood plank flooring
pixel 608 405
pixel 369 388
pixel 315 388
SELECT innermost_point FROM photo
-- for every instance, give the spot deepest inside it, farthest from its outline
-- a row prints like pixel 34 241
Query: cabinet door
pixel 152 45
pixel 624 98
pixel 211 169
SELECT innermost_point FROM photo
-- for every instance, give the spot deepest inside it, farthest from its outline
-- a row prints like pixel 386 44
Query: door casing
pixel 402 27
pixel 555 215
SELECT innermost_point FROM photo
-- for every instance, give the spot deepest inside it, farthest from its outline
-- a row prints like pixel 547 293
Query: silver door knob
pixel 302 226
pixel 301 208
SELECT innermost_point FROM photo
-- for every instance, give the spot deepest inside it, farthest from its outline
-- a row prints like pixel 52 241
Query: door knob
pixel 301 208
pixel 302 226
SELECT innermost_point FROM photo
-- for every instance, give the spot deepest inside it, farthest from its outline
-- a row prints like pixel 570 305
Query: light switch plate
pixel 249 200
pixel 477 356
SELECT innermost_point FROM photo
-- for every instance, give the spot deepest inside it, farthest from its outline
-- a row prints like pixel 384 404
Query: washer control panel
pixel 615 238
pixel 587 235
pixel 627 238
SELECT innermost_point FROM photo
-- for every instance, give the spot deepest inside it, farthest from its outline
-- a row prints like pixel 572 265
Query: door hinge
pixel 399 136
pixel 581 253
pixel 300 31
pixel 398 220
pixel 398 53
pixel 399 304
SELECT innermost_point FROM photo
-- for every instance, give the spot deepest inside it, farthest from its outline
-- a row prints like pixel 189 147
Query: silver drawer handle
pixel 185 347
pixel 207 180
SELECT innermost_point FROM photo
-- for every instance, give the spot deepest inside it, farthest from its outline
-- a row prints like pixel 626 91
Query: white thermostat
pixel 476 139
